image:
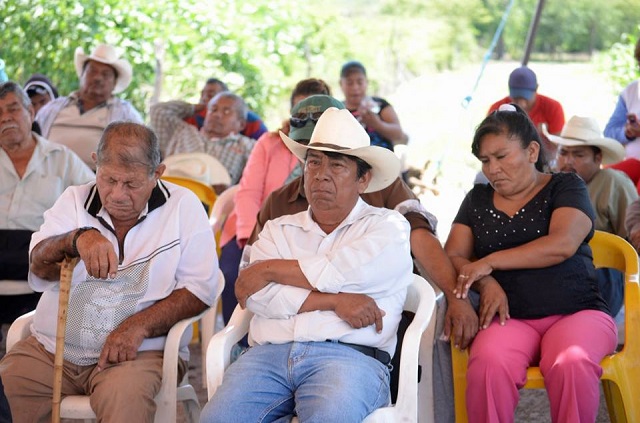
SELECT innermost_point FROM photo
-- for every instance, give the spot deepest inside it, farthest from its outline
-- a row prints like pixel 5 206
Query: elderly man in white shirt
pixel 33 174
pixel 327 287
pixel 147 260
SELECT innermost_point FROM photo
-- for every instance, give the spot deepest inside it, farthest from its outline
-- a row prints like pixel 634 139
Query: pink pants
pixel 568 350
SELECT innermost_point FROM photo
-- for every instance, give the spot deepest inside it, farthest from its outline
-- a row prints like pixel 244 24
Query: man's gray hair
pixel 13 87
pixel 135 135
pixel 241 107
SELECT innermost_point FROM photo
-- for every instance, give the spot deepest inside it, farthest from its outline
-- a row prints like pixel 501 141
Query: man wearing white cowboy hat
pixel 322 291
pixel 583 149
pixel 78 120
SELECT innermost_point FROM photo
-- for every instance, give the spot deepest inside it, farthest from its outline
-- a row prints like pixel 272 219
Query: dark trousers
pixel 611 284
pixel 230 256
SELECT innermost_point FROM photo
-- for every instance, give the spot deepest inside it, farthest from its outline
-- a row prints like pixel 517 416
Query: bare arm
pixel 461 320
pixel 358 310
pixel 567 230
pixel 386 124
pixel 122 344
pixel 92 247
pixel 47 255
pixel 493 299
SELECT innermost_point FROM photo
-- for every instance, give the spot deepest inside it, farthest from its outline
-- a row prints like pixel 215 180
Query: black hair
pixel 311 86
pixel 352 66
pixel 218 82
pixel 514 124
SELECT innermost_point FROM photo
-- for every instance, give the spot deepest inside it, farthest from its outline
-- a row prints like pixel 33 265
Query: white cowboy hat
pixel 104 53
pixel 200 166
pixel 584 131
pixel 339 132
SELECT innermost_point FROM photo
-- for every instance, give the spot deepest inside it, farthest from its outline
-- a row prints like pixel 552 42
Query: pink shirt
pixel 268 167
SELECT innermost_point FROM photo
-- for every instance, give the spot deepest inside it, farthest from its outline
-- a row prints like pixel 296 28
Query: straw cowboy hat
pixel 200 166
pixel 104 53
pixel 338 131
pixel 584 131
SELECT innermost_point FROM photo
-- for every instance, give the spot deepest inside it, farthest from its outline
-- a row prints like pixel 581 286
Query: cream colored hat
pixel 200 166
pixel 339 132
pixel 105 53
pixel 584 131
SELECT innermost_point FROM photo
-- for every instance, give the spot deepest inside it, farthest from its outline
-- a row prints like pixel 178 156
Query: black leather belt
pixel 378 354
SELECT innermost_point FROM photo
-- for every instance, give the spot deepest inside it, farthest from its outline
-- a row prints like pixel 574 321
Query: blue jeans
pixel 317 381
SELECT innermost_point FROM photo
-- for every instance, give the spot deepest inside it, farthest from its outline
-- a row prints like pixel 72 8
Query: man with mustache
pixel 583 149
pixel 78 120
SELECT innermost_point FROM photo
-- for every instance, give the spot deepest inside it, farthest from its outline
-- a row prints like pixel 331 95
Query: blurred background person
pixel 376 115
pixel 254 126
pixel 542 110
pixel 623 124
pixel 41 91
pixel 78 119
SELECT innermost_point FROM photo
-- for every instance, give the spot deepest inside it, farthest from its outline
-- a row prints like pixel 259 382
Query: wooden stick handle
pixel 66 274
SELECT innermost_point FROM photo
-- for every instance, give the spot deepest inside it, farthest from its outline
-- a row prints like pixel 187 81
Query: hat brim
pixel 612 150
pixel 385 166
pixel 122 67
pixel 521 93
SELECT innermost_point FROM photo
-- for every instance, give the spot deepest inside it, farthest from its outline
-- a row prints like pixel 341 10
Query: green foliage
pixel 261 48
pixel 257 48
pixel 619 62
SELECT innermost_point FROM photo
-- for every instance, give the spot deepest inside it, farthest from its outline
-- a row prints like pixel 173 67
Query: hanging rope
pixel 489 53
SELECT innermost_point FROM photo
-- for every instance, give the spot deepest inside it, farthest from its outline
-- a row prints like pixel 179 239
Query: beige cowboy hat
pixel 199 166
pixel 105 53
pixel 584 131
pixel 339 132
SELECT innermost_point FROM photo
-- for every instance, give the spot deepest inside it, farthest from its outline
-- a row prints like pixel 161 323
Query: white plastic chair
pixel 207 329
pixel 11 287
pixel 78 406
pixel 415 399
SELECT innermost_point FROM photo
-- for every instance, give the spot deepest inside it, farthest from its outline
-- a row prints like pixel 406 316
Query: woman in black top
pixel 529 232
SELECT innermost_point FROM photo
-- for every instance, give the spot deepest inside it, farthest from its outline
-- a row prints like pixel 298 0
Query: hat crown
pixel 340 129
pixel 581 128
pixel 106 52
pixel 316 103
pixel 523 77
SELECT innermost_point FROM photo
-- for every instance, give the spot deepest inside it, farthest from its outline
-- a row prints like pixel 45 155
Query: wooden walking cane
pixel 66 273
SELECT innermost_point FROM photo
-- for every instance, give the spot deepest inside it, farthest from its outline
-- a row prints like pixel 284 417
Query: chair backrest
pixel 204 192
pixel 223 207
pixel 414 399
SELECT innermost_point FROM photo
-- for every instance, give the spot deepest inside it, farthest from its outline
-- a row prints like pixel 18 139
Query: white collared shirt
pixel 51 169
pixel 368 253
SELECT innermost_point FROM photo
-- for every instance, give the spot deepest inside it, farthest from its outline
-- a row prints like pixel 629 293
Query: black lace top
pixel 564 288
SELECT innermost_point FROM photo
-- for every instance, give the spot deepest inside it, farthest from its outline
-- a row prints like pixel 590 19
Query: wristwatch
pixel 79 231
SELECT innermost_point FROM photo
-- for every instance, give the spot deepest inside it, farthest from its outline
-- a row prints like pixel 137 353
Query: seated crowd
pixel 318 212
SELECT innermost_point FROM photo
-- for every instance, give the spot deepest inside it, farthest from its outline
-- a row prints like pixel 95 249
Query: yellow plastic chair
pixel 204 192
pixel 621 370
